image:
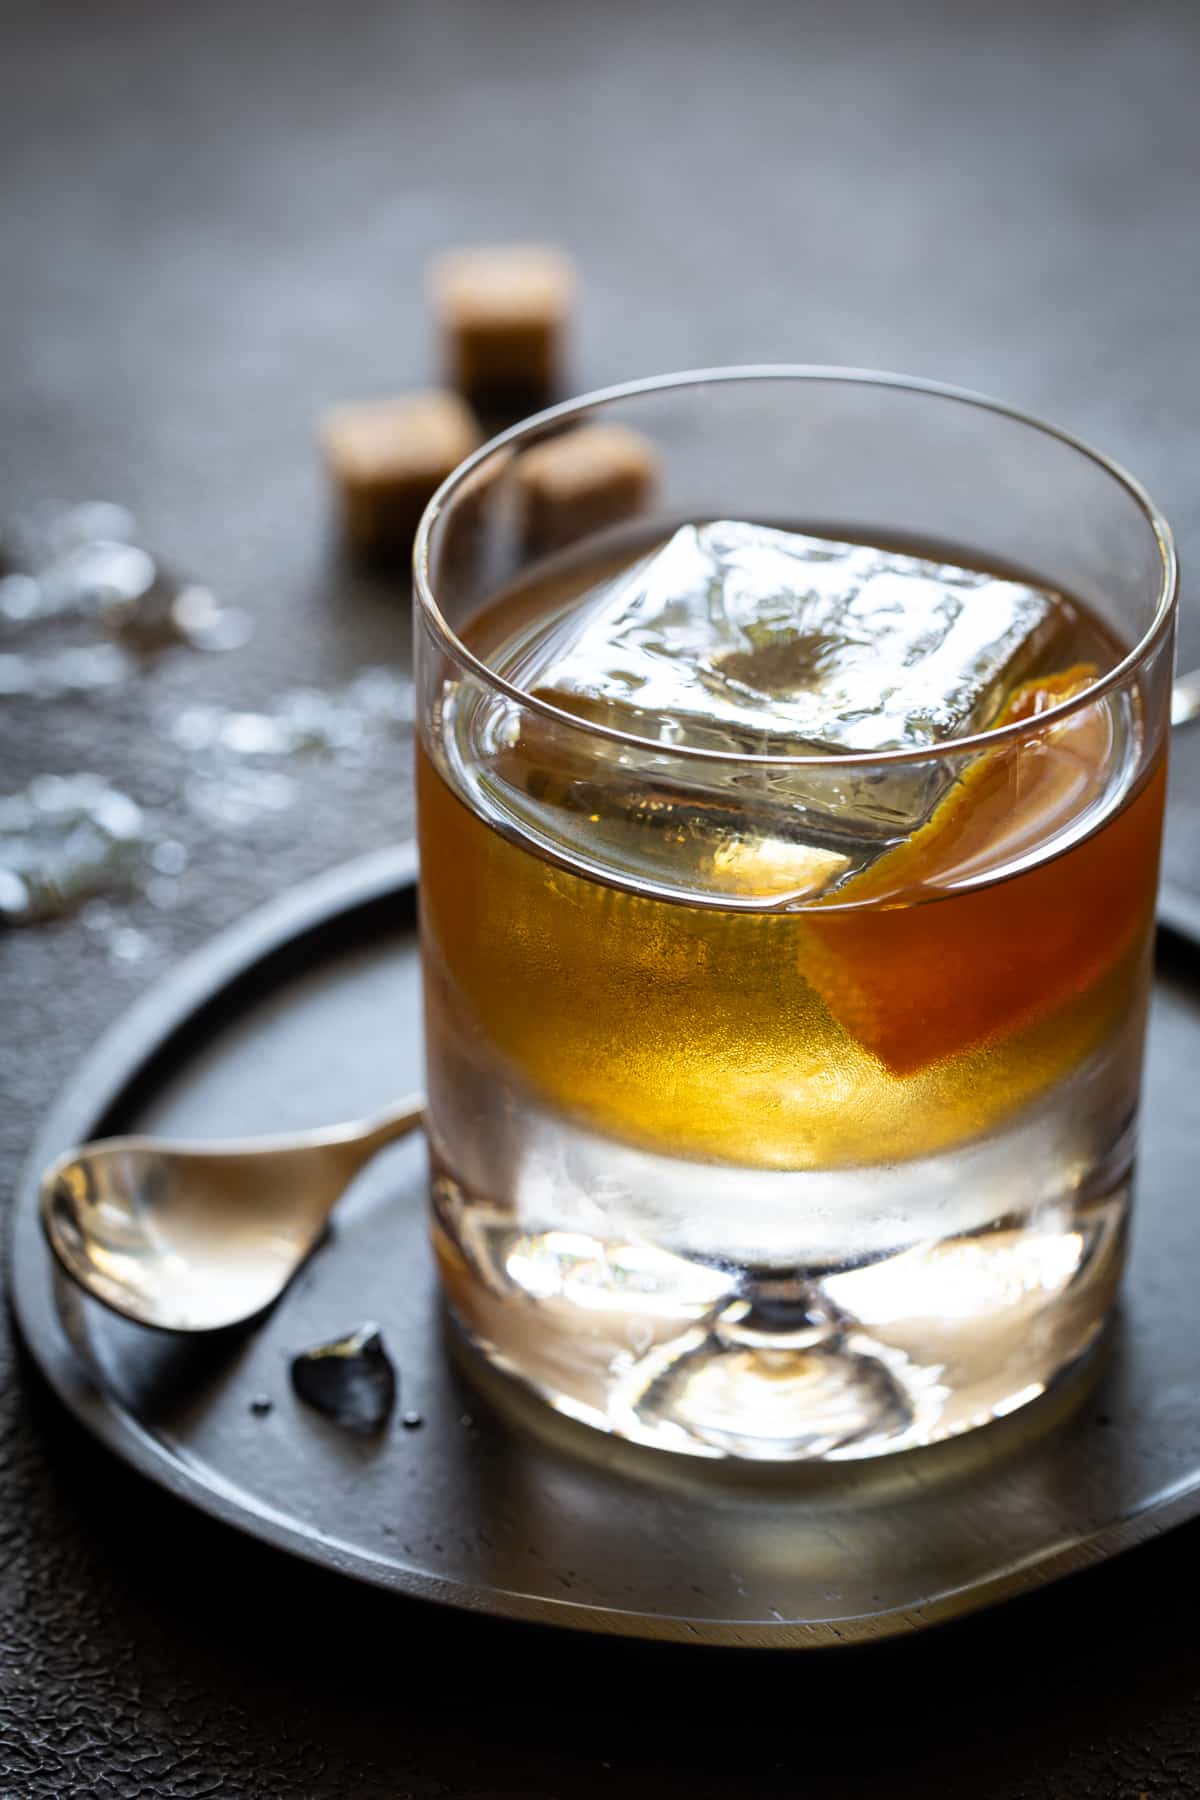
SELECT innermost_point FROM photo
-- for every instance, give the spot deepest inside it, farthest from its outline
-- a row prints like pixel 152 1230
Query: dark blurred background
pixel 213 223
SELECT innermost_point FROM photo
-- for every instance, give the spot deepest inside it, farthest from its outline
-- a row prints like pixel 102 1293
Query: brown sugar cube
pixel 585 479
pixel 502 311
pixel 389 457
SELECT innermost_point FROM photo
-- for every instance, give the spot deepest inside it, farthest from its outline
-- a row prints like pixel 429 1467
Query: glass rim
pixel 586 404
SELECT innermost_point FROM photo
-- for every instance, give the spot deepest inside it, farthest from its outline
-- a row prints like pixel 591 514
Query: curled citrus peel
pixel 917 968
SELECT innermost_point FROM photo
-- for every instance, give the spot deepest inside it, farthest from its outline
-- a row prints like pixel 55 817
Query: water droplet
pixel 15 898
pixel 128 945
pixel 200 621
pixel 67 839
pixel 240 762
pixel 20 598
pixel 85 561
pixel 238 796
pixel 169 856
pixel 118 815
pixel 350 1379
pixel 97 916
pixel 99 575
pixel 59 793
pixel 86 669
pixel 383 696
pixel 412 1421
pixel 255 734
pixel 196 727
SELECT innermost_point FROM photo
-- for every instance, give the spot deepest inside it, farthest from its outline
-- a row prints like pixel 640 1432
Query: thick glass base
pixel 826 1362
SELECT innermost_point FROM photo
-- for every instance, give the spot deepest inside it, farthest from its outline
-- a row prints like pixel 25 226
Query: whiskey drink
pixel 786 918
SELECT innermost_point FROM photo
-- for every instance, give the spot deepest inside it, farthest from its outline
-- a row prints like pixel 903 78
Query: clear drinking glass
pixel 726 1158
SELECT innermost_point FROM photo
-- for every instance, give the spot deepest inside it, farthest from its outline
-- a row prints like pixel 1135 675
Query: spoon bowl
pixel 202 1237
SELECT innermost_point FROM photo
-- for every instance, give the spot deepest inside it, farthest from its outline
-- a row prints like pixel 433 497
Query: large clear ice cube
pixel 742 638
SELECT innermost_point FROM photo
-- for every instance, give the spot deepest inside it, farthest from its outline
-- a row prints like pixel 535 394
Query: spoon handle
pixel 394 1122
pixel 347 1148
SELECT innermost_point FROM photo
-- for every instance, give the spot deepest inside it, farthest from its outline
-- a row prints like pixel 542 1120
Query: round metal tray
pixel 309 1012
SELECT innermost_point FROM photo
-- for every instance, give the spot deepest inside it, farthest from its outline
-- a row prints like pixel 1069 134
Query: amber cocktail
pixel 789 848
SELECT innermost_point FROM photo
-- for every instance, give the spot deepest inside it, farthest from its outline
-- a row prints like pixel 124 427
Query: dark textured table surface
pixel 213 222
